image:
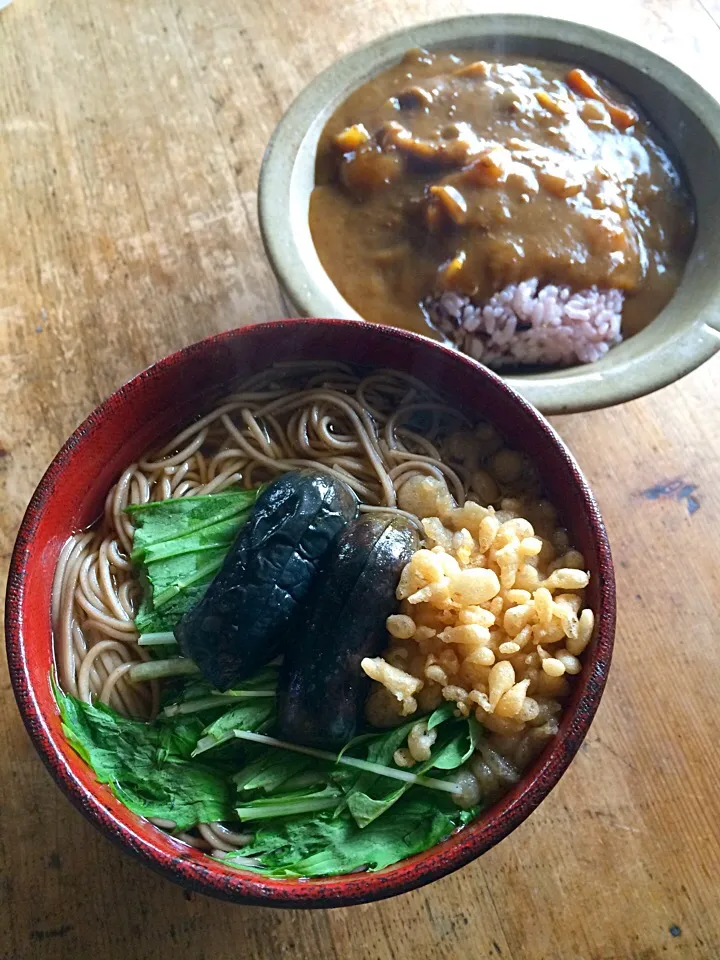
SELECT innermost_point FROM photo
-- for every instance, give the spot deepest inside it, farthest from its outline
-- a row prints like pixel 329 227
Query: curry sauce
pixel 454 172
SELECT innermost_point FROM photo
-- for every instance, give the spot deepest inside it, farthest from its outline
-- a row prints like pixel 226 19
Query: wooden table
pixel 130 140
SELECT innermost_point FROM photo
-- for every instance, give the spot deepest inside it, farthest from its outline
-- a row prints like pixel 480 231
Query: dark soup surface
pixel 463 174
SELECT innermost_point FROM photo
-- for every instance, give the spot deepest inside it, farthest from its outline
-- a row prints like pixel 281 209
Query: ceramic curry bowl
pixel 682 336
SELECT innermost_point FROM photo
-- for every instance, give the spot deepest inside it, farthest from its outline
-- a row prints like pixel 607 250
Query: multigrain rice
pixel 525 324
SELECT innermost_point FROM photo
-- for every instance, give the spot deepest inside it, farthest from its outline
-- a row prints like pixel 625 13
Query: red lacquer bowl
pixel 147 409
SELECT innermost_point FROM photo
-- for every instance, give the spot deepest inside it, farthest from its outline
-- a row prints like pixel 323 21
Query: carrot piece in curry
pixel 582 83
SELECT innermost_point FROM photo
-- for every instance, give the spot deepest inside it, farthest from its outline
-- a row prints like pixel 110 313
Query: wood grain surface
pixel 130 140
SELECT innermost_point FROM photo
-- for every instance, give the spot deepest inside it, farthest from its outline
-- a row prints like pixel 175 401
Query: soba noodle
pixel 359 428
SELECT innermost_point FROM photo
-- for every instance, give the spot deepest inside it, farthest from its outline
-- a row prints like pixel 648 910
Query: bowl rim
pixel 242 887
pixel 577 389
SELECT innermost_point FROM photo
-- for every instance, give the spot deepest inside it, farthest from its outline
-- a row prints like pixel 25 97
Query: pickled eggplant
pixel 241 621
pixel 322 687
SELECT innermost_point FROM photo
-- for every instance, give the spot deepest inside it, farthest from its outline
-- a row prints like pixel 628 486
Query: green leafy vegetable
pixel 290 804
pixel 365 808
pixel 178 739
pixel 195 695
pixel 255 714
pixel 178 547
pixel 460 748
pixel 167 521
pixel 184 690
pixel 146 765
pixel 371 795
pixel 218 536
pixel 356 742
pixel 171 577
pixel 150 620
pixel 323 845
pixel 213 702
pixel 273 769
pixel 295 796
pixel 444 712
pixel 393 773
